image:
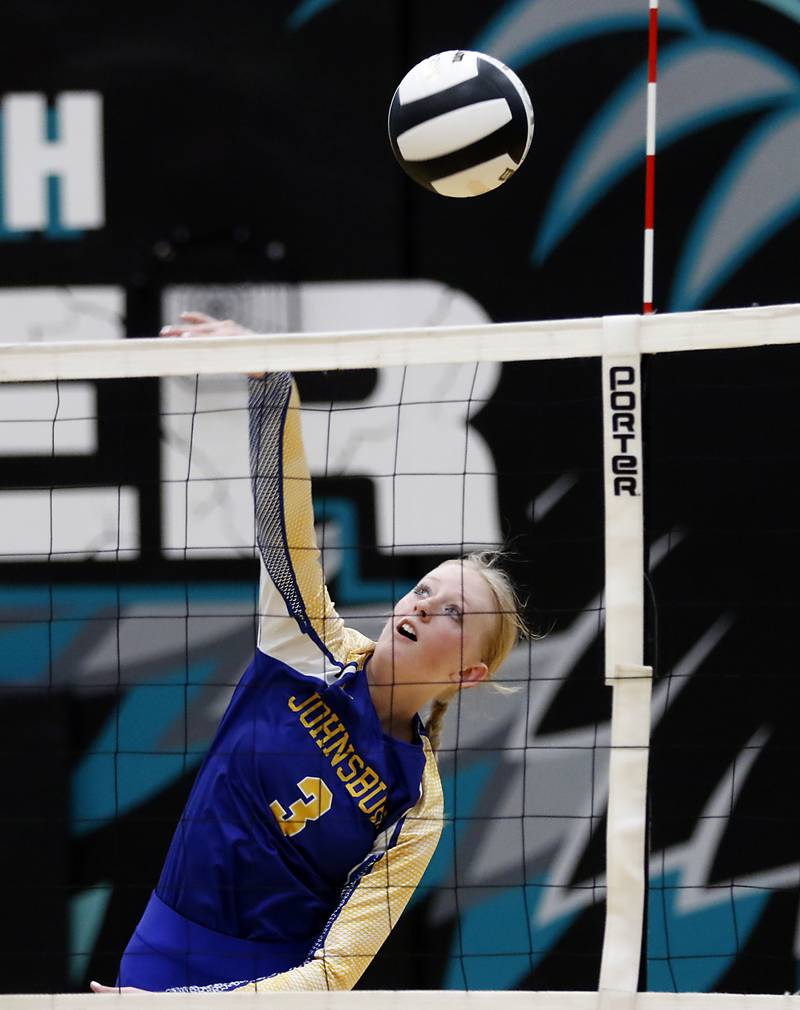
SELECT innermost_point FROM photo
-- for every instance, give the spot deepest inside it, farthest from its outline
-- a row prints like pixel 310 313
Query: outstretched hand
pixel 97 987
pixel 198 324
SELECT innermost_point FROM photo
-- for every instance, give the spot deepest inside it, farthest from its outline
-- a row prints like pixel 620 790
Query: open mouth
pixel 405 629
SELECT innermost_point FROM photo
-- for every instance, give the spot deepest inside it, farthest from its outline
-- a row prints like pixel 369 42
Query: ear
pixel 473 675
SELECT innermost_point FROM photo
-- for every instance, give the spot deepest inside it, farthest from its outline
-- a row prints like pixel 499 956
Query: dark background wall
pixel 242 152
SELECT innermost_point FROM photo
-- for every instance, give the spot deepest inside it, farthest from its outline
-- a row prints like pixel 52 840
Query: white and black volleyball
pixel 460 123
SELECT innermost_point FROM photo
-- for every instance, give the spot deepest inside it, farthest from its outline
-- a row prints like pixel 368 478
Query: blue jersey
pixel 307 827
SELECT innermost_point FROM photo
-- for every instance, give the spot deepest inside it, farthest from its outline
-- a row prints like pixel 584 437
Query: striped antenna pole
pixel 650 176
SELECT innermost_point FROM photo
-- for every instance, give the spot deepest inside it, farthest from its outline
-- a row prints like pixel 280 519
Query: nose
pixel 422 610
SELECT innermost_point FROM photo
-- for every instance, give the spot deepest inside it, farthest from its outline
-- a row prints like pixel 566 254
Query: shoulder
pixel 427 815
pixel 357 648
pixel 431 786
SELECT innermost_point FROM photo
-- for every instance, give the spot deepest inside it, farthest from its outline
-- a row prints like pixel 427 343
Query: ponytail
pixel 436 721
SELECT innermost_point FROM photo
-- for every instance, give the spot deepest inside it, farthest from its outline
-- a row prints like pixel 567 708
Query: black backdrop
pixel 247 144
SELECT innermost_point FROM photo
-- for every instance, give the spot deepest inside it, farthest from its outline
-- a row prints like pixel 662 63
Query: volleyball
pixel 460 123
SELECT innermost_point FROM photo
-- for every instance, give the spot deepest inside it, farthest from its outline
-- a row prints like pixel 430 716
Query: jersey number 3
pixel 317 801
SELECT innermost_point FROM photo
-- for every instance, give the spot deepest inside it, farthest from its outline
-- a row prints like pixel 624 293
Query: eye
pixel 422 590
pixel 453 611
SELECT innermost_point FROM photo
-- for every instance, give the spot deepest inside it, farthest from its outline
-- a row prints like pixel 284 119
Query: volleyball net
pixel 624 819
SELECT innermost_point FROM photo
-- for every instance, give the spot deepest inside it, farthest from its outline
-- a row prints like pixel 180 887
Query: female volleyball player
pixel 319 805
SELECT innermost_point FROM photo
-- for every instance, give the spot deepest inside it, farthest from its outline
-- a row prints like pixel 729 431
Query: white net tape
pixel 566 338
pixel 409 1000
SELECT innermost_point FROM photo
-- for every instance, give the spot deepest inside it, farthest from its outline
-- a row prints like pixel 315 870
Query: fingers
pixel 198 324
pixel 97 987
pixel 190 320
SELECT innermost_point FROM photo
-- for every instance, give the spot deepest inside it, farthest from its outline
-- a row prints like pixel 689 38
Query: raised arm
pixel 297 620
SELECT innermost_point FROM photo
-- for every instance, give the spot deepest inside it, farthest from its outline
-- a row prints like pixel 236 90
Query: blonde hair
pixel 510 628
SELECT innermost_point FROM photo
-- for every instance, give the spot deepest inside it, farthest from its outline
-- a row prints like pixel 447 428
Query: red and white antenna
pixel 650 175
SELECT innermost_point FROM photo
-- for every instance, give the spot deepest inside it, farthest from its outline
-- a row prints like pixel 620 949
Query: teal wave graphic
pixel 755 197
pixel 305 11
pixel 790 8
pixel 705 77
pixel 523 31
pixel 701 82
pixel 675 935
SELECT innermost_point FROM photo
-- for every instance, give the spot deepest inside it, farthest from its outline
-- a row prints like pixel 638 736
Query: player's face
pixel 441 627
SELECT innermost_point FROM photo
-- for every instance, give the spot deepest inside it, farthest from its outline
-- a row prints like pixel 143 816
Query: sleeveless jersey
pixel 308 827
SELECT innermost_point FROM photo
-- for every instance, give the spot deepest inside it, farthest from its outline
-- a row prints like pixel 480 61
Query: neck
pixel 395 704
pixel 395 711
